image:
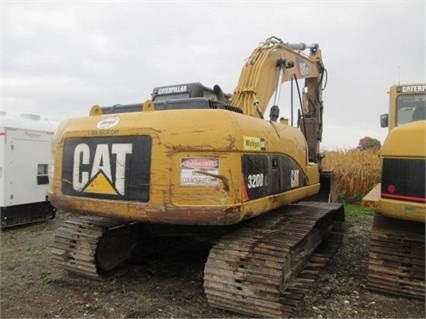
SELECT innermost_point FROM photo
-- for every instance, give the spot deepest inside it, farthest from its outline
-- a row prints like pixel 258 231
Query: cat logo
pixel 99 179
pixel 107 167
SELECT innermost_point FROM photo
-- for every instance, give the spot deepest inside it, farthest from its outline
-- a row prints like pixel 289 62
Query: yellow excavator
pixel 397 246
pixel 196 162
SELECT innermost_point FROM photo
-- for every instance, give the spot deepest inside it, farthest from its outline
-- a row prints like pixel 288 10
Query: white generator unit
pixel 25 159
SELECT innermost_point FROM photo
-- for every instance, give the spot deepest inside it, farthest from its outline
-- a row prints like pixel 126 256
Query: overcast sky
pixel 61 57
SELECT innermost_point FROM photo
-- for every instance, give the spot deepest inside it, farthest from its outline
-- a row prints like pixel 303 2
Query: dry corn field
pixel 355 172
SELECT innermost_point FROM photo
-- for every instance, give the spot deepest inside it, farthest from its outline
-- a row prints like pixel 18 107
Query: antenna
pixel 399 75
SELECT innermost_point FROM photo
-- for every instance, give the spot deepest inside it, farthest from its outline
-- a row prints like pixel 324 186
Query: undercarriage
pixel 397 257
pixel 260 268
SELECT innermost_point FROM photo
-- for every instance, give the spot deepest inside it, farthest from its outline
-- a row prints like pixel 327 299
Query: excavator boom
pixel 272 63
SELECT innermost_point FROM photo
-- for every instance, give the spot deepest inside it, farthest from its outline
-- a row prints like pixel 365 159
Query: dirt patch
pixel 32 286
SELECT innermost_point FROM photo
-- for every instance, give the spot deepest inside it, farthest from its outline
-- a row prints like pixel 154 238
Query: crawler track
pixel 86 245
pixel 397 257
pixel 26 214
pixel 264 268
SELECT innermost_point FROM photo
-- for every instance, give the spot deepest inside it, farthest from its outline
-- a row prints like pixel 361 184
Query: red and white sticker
pixel 200 163
pixel 199 171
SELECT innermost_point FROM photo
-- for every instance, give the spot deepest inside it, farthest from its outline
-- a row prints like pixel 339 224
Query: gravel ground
pixel 172 286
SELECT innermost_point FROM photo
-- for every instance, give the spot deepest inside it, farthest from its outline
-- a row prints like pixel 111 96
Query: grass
pixel 45 278
pixel 356 211
pixel 33 250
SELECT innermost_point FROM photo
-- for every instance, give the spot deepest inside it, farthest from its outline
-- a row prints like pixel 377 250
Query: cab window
pixel 410 108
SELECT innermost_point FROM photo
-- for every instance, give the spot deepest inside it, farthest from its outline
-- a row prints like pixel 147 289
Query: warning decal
pixel 199 171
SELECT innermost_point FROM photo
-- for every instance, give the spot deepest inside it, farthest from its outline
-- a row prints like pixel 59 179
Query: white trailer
pixel 25 159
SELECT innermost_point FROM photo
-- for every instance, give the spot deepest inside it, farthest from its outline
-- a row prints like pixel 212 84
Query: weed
pixel 33 250
pixel 45 277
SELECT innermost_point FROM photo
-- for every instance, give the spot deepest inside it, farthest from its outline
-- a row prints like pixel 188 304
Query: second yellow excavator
pixel 397 246
pixel 196 162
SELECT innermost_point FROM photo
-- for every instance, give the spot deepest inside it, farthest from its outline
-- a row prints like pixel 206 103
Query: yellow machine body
pixel 396 263
pixel 196 173
pixel 401 193
pixel 179 159
pixel 405 143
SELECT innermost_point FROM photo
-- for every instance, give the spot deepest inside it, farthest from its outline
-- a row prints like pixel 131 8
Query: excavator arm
pixel 272 63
